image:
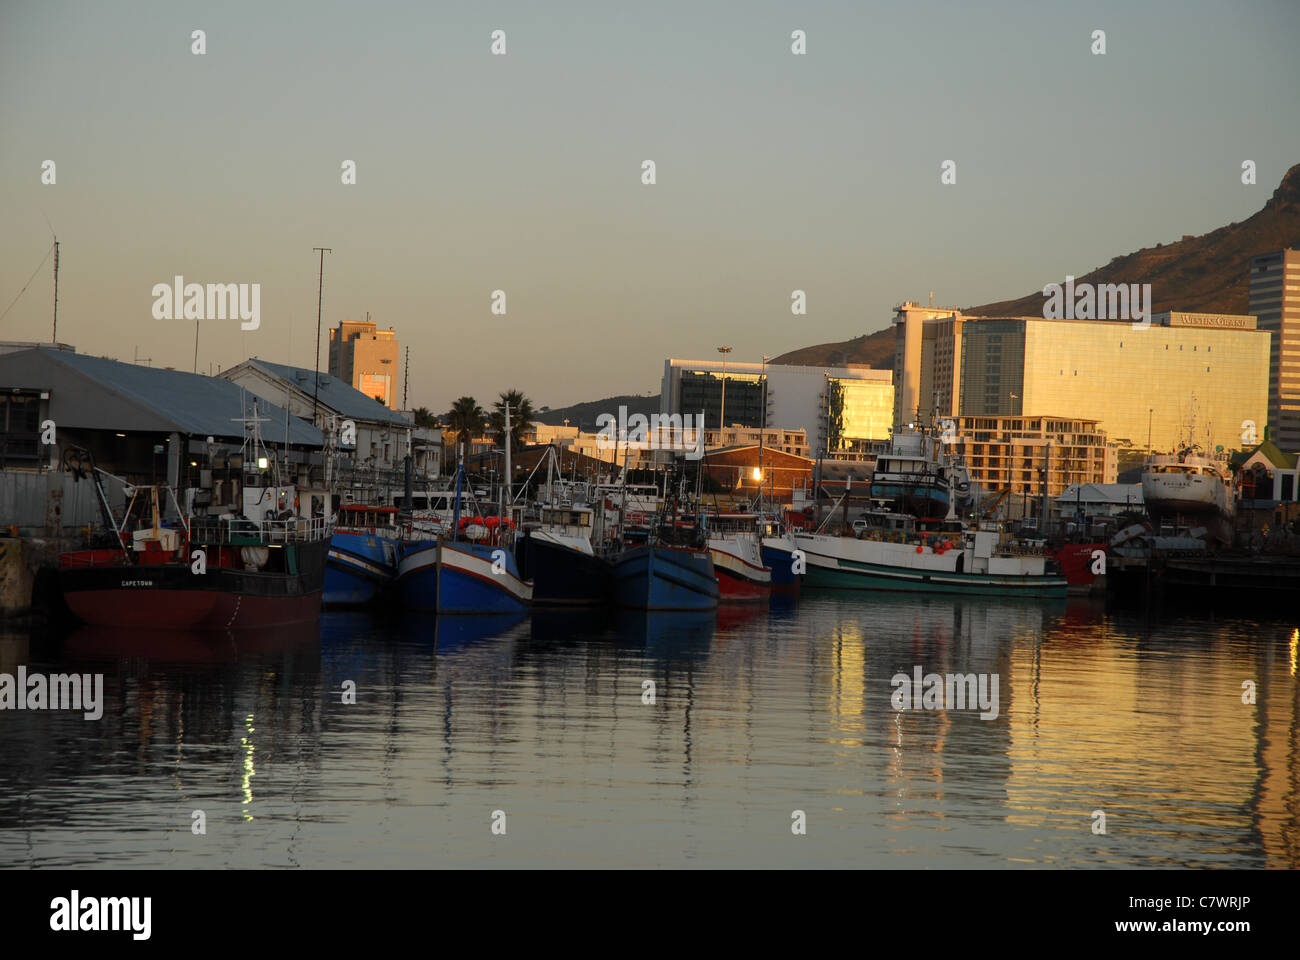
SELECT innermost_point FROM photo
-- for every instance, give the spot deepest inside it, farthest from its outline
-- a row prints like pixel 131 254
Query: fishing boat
pixel 461 576
pixel 673 568
pixel 736 549
pixel 1192 486
pixel 362 555
pixel 564 547
pixel 473 569
pixel 890 553
pixel 263 568
pixel 779 556
pixel 560 558
pixel 917 476
pixel 1079 563
pixel 664 577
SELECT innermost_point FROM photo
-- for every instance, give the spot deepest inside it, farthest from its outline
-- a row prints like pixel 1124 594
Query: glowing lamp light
pixel 261 463
pixel 758 474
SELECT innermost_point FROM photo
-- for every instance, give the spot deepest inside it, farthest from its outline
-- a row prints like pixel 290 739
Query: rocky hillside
pixel 1205 274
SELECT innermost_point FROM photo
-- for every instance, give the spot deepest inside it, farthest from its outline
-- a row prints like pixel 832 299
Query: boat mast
pixel 507 492
pixel 622 494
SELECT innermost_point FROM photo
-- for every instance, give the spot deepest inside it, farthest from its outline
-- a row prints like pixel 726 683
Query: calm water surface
pixel 757 714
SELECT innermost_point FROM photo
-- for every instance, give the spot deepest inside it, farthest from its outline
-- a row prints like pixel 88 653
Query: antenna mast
pixel 54 335
pixel 320 290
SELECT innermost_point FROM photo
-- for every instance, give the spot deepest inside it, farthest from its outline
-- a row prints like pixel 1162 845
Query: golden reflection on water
pixel 1158 733
pixel 848 686
pixel 246 784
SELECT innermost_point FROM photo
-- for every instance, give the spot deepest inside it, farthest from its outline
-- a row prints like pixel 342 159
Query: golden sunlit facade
pixel 366 358
pixel 1131 380
pixel 857 410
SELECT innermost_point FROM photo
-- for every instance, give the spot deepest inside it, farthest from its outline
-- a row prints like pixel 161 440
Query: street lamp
pixel 722 410
pixel 762 395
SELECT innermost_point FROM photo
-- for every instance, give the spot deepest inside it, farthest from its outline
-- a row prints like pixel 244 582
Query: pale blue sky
pixel 522 172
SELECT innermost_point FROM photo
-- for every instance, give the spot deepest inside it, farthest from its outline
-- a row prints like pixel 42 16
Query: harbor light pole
pixel 722 410
pixel 762 388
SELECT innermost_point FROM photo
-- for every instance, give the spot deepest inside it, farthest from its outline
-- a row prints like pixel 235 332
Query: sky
pixel 522 172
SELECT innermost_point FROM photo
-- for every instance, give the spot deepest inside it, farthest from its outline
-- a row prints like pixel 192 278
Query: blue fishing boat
pixel 918 476
pixel 672 570
pixel 779 555
pixel 661 577
pixel 473 571
pixel 461 576
pixel 363 554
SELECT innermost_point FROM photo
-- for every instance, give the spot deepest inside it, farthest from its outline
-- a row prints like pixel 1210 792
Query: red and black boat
pixel 1079 564
pixel 224 572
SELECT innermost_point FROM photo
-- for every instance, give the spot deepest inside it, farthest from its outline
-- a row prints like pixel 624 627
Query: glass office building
pixel 1185 372
pixel 839 408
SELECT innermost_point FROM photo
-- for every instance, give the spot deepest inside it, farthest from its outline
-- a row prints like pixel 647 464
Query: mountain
pixel 584 414
pixel 874 349
pixel 1205 274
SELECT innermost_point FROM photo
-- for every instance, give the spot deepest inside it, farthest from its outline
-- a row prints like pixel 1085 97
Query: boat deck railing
pixel 240 531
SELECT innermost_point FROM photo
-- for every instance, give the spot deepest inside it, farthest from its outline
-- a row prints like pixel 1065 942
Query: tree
pixel 467 418
pixel 424 418
pixel 521 418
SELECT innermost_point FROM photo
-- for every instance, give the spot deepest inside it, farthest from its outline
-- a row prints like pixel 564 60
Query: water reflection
pixel 624 738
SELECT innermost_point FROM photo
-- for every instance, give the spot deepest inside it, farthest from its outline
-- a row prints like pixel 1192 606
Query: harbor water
pixel 733 738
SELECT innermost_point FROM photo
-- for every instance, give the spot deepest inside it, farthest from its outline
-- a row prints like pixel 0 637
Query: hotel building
pixel 1020 453
pixel 1275 301
pixel 839 409
pixel 1142 386
pixel 366 358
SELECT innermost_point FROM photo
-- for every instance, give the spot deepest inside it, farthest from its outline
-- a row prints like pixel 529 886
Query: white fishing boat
pixel 1187 483
pixel 1190 485
pixel 889 553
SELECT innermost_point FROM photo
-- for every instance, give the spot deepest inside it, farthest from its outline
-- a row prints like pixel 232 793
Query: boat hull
pixel 461 578
pixel 1077 561
pixel 665 578
pixel 169 596
pixel 738 565
pixel 778 556
pixel 563 575
pixel 359 568
pixel 846 563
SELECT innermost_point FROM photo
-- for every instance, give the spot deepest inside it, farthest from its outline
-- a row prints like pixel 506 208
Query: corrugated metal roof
pixel 1129 493
pixel 336 394
pixel 171 400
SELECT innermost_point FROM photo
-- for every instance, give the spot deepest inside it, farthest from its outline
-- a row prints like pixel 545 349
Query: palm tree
pixel 467 418
pixel 521 418
pixel 424 418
